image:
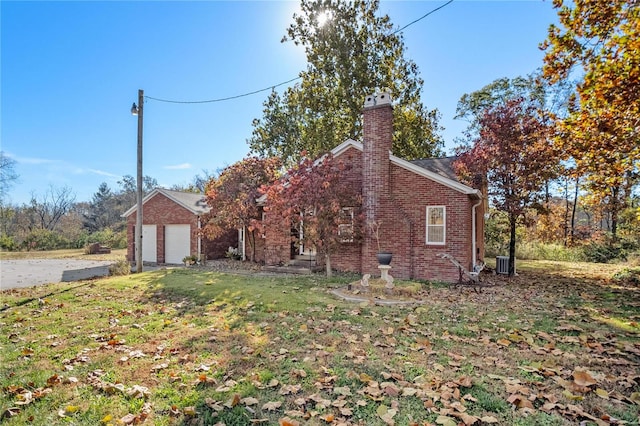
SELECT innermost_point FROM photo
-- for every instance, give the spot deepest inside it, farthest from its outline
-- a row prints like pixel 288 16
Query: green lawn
pixel 559 344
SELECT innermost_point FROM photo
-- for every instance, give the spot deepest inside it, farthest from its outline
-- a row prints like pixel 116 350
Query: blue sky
pixel 71 70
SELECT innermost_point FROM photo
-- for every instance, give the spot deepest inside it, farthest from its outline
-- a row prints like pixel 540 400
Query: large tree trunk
pixel 573 212
pixel 615 206
pixel 327 264
pixel 513 219
pixel 566 212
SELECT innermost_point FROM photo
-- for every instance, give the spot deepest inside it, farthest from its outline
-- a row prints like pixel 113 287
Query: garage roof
pixel 191 201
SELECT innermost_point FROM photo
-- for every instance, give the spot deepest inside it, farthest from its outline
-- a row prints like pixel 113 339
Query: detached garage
pixel 170 226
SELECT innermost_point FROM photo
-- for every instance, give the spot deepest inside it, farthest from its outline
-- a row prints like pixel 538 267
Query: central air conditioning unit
pixel 502 265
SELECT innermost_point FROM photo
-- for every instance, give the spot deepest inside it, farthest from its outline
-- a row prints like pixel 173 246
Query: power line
pixel 423 16
pixel 208 101
pixel 223 99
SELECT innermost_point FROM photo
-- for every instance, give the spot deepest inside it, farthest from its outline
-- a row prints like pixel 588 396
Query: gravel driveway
pixel 27 273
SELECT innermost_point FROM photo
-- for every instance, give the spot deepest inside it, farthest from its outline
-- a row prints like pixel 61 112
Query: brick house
pixel 170 228
pixel 422 209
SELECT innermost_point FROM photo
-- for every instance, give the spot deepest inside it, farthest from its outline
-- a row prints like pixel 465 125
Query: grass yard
pixel 559 344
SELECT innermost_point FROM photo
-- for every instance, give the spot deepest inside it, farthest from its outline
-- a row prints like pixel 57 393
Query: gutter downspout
pixel 473 234
pixel 199 241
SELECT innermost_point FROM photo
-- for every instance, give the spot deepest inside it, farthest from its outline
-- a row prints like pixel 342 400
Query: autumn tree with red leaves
pixel 515 156
pixel 232 197
pixel 317 196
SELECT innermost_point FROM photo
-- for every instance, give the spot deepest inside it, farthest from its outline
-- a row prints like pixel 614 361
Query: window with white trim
pixel 436 225
pixel 345 225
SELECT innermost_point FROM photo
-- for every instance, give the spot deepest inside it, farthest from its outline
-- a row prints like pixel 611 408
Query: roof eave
pixel 166 194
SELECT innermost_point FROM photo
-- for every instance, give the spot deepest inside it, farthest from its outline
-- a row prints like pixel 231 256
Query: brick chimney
pixel 377 117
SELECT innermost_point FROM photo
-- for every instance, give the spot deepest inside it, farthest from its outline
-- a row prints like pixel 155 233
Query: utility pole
pixel 138 110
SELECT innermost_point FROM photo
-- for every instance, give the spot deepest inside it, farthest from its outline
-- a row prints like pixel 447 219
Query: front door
pixel 303 248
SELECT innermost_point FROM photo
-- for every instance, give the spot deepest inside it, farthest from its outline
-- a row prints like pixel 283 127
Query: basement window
pixel 436 225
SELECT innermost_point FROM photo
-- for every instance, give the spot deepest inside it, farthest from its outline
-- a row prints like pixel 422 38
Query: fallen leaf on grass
pixel 249 401
pixel 578 411
pixel 520 401
pixel 111 388
pixel 583 378
pixel 189 411
pixel 159 367
pixel 235 400
pixel 213 404
pixel 567 394
pixel 68 410
pixel 10 412
pixel 464 381
pixel 411 320
pixel 467 419
pixel 386 414
pixel 344 390
pixel 272 405
pixel 504 342
pixel 365 378
pixel 339 403
pixel 299 373
pixel 286 421
pixel 138 391
pixel 446 421
pixel 346 411
pixel 409 391
pixel 328 417
pixel 273 383
pixel 128 419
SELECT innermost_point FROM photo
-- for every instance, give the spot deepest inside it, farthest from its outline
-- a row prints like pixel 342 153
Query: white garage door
pixel 149 243
pixel 177 243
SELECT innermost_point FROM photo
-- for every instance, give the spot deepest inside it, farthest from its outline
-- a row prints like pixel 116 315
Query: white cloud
pixel 103 173
pixel 182 166
pixel 30 160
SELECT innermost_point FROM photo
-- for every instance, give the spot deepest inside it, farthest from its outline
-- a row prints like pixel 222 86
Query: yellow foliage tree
pixel 602 131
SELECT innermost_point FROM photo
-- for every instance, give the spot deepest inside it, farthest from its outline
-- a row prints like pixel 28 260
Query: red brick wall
pixel 349 259
pixel 161 211
pixel 260 248
pixel 278 251
pixel 411 194
pixel 217 249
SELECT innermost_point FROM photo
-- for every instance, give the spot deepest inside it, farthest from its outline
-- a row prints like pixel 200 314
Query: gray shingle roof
pixel 442 166
pixel 192 201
